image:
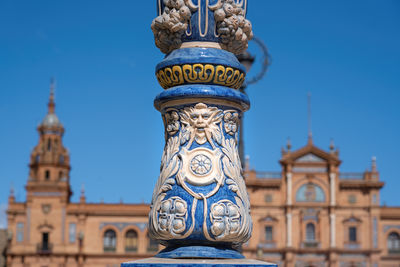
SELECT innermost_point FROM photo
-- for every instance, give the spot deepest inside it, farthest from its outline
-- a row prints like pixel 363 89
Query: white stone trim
pixel 333 229
pixel 289 188
pixel 332 188
pixel 289 229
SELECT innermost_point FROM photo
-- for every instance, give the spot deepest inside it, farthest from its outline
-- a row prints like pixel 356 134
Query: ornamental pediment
pixel 309 157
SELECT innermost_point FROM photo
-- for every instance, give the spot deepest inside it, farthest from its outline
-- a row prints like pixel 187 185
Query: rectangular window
pixel 20 232
pixel 72 232
pixel 268 233
pixel 45 242
pixel 352 234
pixel 374 198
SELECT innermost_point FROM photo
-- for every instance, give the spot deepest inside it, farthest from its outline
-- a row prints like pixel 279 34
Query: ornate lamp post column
pixel 200 207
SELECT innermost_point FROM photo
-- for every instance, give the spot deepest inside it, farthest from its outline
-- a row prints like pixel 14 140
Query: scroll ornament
pixel 188 168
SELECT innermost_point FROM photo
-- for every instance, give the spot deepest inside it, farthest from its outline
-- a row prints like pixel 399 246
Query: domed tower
pixel 49 163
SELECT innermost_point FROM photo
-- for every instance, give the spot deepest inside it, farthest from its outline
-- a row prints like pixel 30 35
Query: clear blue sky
pixel 346 53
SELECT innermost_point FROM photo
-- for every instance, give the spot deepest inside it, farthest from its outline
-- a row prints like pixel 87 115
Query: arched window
pixel 394 243
pixel 49 145
pixel 60 175
pixel 47 175
pixel 310 232
pixel 152 245
pixel 110 240
pixel 310 192
pixel 37 159
pixel 131 241
pixel 61 160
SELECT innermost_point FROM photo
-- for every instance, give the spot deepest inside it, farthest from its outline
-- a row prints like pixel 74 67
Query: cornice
pixel 360 184
pixel 263 183
pixel 108 209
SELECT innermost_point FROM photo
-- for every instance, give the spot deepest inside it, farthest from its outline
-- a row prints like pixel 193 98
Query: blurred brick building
pixel 3 247
pixel 308 214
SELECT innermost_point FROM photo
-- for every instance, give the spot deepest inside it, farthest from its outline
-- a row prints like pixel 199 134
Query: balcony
pixel 310 244
pixel 351 175
pixel 352 246
pixel 109 248
pixel 131 249
pixel 394 251
pixel 266 245
pixel 44 248
pixel 269 175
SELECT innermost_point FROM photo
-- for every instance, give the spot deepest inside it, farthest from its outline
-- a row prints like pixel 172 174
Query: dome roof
pixel 51 120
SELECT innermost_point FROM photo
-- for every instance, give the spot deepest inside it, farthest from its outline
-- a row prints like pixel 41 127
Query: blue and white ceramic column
pixel 200 206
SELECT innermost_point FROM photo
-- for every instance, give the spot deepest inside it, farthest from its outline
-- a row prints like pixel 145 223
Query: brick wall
pixel 3 243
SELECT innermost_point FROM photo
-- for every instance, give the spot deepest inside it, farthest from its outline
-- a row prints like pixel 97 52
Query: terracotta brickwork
pixel 311 214
pixel 3 246
pixel 307 214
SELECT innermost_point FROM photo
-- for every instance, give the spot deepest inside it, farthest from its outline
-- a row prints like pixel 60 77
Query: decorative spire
pixel 51 104
pixel 51 120
pixel 11 197
pixel 83 197
pixel 373 164
pixel 309 118
pixel 288 144
pixel 332 146
pixel 12 191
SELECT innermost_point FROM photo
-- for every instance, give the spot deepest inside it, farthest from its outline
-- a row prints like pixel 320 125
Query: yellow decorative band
pixel 200 73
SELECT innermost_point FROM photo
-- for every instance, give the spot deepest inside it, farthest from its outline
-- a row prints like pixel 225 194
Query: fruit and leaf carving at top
pixel 232 26
pixel 169 26
pixel 229 26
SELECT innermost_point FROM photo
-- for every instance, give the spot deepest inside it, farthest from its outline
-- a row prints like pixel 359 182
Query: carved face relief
pixel 202 122
pixel 172 122
pixel 200 119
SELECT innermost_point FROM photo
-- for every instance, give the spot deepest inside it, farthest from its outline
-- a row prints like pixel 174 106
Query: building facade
pixel 311 214
pixel 3 247
pixel 308 214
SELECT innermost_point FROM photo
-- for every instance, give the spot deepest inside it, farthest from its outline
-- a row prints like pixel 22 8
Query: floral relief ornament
pixel 231 222
pixel 173 215
pixel 231 120
pixel 225 219
pixel 172 122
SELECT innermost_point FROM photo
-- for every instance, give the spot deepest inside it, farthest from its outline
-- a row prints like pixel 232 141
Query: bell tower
pixel 49 162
